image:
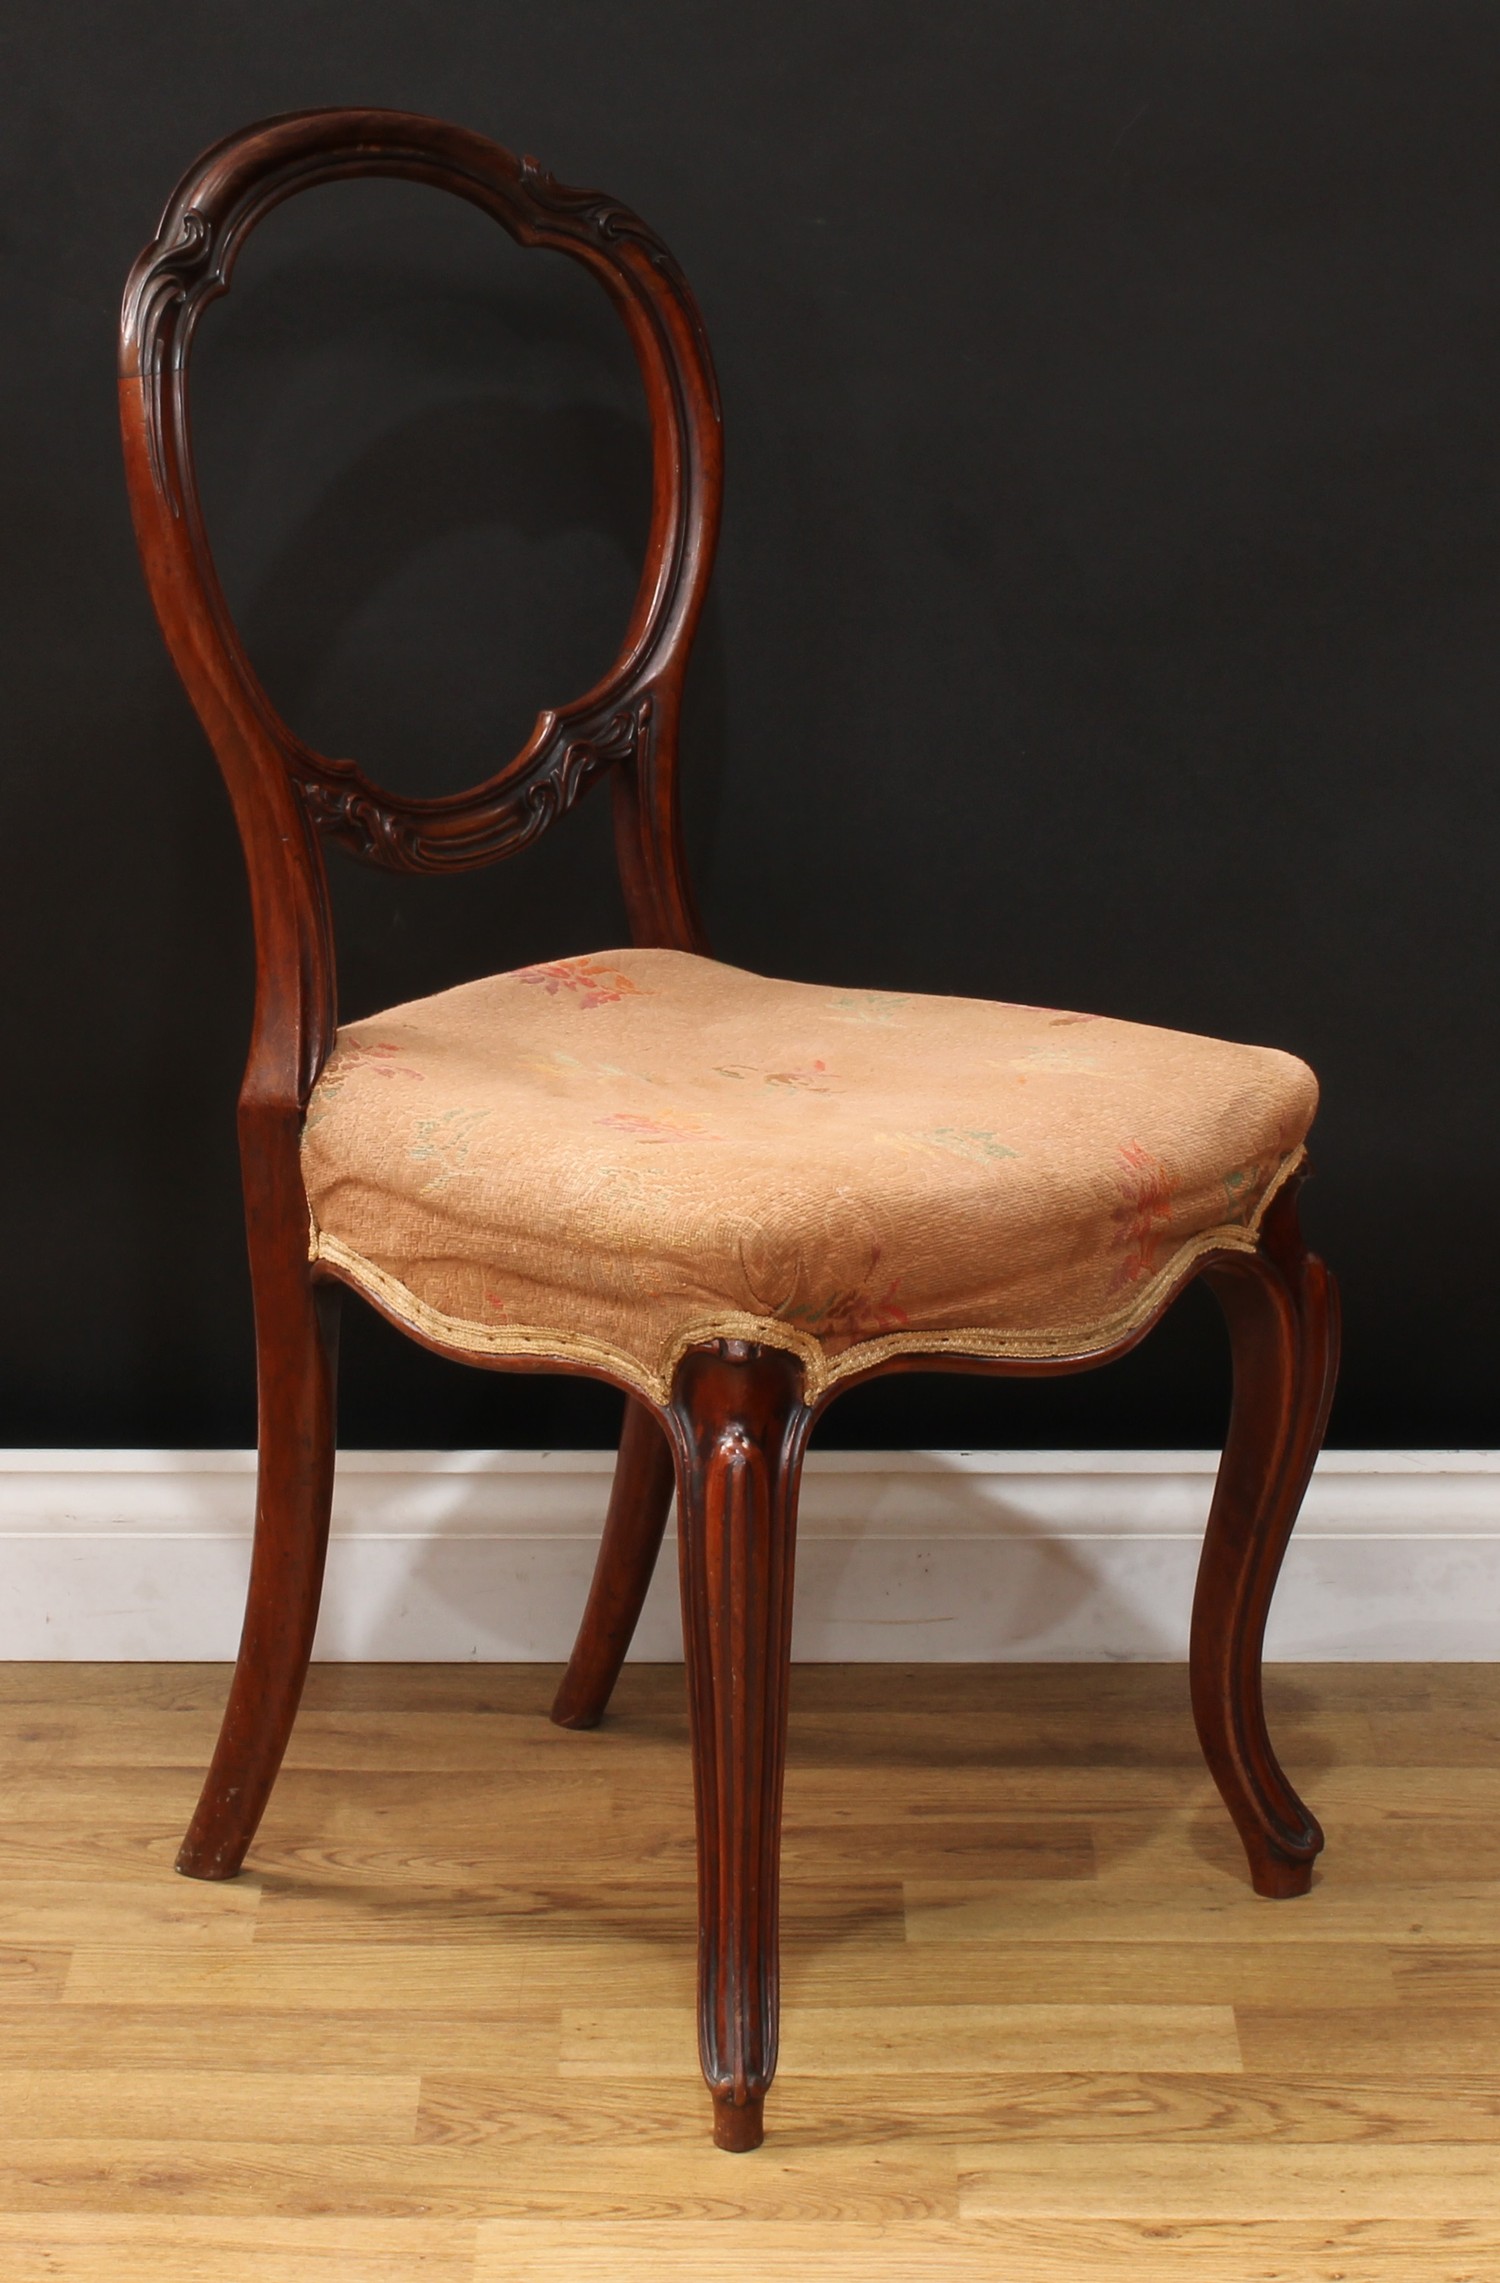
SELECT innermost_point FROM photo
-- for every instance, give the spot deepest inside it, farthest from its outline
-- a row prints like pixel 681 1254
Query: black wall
pixel 1106 614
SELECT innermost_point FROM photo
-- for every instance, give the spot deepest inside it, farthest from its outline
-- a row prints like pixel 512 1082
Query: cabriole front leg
pixel 739 1426
pixel 1281 1306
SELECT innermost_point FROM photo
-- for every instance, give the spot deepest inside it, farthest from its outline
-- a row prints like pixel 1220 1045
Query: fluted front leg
pixel 1281 1306
pixel 740 1428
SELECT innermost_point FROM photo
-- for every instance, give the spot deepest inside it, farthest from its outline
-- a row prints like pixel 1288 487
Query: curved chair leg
pixel 740 1426
pixel 1281 1306
pixel 297 1337
pixel 639 1502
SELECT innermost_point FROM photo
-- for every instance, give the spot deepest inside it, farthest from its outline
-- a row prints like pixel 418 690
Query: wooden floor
pixel 1037 2028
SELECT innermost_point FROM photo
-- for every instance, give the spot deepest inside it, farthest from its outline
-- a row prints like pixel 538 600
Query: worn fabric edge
pixel 468 1341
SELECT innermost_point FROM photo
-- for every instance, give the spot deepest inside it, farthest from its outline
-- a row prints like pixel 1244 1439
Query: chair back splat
pixel 284 794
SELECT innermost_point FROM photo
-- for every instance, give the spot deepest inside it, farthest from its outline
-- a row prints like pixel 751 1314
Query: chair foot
pixel 1281 1307
pixel 740 1428
pixel 739 2126
pixel 1280 1877
pixel 639 1502
pixel 208 1854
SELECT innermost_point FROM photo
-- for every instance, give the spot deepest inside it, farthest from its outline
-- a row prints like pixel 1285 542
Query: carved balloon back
pixel 627 722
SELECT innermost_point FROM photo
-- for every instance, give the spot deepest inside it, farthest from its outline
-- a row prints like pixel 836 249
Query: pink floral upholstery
pixel 607 1159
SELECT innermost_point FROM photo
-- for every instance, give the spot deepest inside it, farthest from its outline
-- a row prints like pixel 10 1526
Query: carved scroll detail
pixel 601 217
pixel 595 215
pixel 177 273
pixel 495 820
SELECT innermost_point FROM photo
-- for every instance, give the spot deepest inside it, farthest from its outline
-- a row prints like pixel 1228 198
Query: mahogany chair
pixel 730 1197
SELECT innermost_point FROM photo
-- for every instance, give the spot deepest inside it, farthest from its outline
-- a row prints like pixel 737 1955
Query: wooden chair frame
pixel 731 1438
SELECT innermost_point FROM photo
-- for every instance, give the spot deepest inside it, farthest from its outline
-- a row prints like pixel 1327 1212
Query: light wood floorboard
pixel 1037 2026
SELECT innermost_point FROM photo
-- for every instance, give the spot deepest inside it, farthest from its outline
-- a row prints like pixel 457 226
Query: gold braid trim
pixel 462 1338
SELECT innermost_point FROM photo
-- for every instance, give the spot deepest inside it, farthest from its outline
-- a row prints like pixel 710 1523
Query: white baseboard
pixel 909 1556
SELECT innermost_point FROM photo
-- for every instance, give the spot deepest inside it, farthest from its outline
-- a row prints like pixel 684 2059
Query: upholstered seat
pixel 614 1157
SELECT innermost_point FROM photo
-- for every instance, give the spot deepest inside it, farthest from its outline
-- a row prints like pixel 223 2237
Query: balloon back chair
pixel 730 1197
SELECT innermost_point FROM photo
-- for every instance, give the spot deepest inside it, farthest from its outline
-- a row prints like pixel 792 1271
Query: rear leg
pixel 1281 1306
pixel 639 1502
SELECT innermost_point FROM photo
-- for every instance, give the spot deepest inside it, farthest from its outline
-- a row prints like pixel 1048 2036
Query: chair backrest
pixel 284 794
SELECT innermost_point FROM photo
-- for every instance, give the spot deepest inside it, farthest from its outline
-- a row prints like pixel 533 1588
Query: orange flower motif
pixel 351 1054
pixel 857 1313
pixel 1144 1214
pixel 671 1126
pixel 593 986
